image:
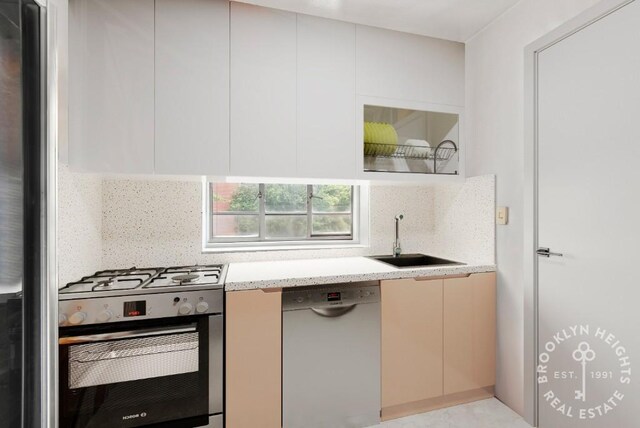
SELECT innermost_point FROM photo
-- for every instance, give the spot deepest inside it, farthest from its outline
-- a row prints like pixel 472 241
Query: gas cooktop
pixel 144 281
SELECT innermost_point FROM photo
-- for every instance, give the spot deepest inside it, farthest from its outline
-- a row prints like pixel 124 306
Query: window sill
pixel 290 246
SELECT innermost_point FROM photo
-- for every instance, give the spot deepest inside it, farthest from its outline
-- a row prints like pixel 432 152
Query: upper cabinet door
pixel 192 87
pixel 326 98
pixel 403 66
pixel 263 92
pixel 111 105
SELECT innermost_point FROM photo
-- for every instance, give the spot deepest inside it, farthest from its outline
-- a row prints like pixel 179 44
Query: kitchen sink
pixel 415 260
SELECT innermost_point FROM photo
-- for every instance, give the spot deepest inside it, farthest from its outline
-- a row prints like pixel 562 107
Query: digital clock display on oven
pixel 135 309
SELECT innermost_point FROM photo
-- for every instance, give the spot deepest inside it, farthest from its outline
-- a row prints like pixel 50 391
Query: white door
pixel 589 210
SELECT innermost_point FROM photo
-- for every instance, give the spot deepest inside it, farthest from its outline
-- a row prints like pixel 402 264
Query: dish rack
pixel 439 153
pixel 442 152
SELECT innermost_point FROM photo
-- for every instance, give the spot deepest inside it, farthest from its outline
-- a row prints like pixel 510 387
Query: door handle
pixel 546 252
pixel 131 334
pixel 334 311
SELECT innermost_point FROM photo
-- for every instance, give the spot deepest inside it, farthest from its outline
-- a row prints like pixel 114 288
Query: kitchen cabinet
pixel 411 341
pixel 149 86
pixel 212 87
pixel 402 66
pixel 438 342
pixel 111 86
pixel 263 92
pixel 326 120
pixel 253 358
pixel 410 140
pixel 192 87
pixel 469 332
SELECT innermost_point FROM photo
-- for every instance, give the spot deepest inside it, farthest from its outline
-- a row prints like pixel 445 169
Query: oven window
pixel 133 359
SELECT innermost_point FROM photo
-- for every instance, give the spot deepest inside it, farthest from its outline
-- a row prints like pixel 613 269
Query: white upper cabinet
pixel 192 87
pixel 263 92
pixel 326 98
pixel 408 67
pixel 212 87
pixel 111 86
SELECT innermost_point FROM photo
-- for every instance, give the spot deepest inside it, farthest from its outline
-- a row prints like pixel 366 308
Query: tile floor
pixel 489 413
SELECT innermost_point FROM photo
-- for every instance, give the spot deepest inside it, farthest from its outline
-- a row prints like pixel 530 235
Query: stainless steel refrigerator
pixel 23 175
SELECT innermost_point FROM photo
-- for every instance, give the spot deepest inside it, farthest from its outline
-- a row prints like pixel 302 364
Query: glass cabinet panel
pixel 410 141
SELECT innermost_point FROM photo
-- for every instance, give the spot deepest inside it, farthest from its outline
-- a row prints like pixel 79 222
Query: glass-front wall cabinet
pixel 410 141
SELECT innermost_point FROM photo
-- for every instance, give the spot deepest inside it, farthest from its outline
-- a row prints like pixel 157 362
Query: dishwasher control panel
pixel 330 295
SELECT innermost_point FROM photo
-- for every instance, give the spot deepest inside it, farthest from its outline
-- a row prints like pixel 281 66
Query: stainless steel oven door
pixel 140 373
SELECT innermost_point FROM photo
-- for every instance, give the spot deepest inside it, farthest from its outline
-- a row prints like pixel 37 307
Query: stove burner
pixel 135 279
pixel 105 283
pixel 186 278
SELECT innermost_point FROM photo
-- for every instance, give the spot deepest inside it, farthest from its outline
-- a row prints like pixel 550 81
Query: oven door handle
pixel 129 334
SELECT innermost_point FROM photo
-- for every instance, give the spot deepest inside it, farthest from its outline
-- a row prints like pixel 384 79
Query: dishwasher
pixel 331 356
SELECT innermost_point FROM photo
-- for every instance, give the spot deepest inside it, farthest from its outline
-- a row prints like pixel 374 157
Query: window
pixel 280 214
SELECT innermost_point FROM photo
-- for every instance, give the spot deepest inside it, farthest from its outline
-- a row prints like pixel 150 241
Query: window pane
pixel 229 226
pixel 331 198
pixel 331 225
pixel 285 198
pixel 234 197
pixel 286 226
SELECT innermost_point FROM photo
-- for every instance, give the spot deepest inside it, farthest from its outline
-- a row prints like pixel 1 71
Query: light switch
pixel 502 215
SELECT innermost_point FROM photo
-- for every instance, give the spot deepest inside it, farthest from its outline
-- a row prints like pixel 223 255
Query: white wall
pixel 495 103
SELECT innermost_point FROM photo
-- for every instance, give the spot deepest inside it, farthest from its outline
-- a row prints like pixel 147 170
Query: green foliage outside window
pixel 328 202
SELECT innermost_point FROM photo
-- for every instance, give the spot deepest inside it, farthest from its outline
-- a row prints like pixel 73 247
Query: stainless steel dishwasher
pixel 331 356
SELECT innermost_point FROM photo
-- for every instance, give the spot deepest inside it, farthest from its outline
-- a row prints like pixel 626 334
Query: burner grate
pixel 135 278
pixel 187 276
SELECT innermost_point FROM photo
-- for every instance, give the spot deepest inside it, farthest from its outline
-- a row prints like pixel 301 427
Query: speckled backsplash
pixel 79 225
pixel 159 223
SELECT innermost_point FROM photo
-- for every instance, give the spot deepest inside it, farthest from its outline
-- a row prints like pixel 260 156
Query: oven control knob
pixel 105 315
pixel 77 318
pixel 202 307
pixel 185 309
pixel 62 319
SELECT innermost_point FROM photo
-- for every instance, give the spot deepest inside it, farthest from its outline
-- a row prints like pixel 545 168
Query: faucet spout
pixel 397 250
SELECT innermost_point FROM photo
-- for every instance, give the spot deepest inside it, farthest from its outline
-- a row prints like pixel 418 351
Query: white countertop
pixel 296 273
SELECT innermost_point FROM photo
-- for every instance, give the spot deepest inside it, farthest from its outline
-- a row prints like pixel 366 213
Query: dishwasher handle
pixel 334 311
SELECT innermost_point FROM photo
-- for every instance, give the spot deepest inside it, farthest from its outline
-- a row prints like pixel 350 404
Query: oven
pixel 153 363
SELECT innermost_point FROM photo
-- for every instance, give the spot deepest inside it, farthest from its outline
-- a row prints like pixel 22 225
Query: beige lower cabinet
pixel 469 333
pixel 253 359
pixel 438 343
pixel 411 344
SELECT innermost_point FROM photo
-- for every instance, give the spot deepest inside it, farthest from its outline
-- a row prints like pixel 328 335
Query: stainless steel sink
pixel 415 260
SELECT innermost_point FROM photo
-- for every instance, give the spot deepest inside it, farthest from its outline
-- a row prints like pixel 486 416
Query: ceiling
pixel 455 20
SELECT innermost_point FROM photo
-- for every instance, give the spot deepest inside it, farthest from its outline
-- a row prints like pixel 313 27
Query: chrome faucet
pixel 396 244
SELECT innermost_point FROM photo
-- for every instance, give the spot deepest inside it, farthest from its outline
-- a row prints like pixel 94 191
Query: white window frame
pixel 359 238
